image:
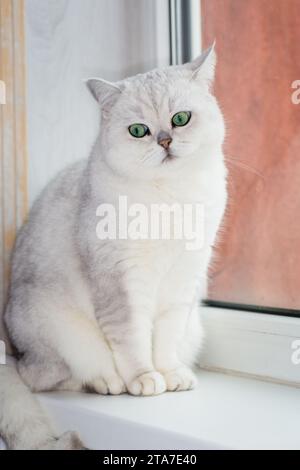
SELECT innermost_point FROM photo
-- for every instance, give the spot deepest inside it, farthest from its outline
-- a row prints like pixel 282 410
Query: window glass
pixel 258 47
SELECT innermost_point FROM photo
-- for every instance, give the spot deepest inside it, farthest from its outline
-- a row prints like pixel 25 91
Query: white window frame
pixel 255 344
pixel 237 341
pixel 185 30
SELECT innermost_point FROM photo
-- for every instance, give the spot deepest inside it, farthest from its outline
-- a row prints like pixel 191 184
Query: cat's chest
pixel 160 258
pixel 204 187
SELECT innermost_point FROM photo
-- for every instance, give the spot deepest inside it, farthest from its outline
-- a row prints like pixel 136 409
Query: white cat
pixel 117 315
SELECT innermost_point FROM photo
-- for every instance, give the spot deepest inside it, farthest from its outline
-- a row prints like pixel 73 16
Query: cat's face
pixel 157 122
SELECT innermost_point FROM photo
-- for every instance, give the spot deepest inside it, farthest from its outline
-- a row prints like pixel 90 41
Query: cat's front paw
pixel 151 383
pixel 113 385
pixel 180 379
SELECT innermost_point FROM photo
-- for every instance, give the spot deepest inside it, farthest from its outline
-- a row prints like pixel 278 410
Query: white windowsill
pixel 223 412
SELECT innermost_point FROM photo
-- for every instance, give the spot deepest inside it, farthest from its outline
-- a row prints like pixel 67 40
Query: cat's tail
pixel 23 423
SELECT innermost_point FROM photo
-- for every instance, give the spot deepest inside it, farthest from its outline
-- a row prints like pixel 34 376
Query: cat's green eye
pixel 138 130
pixel 181 119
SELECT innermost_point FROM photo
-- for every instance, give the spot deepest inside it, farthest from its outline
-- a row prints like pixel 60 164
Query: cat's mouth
pixel 168 158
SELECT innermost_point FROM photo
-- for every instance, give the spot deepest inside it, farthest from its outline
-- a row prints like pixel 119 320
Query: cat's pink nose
pixel 164 139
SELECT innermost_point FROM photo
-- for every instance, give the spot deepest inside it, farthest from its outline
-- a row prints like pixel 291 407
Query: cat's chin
pixel 168 158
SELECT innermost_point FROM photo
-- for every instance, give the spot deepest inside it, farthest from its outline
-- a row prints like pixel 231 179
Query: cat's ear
pixel 102 90
pixel 203 67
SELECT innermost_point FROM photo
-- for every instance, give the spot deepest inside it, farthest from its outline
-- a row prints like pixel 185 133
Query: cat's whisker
pixel 244 166
pixel 148 157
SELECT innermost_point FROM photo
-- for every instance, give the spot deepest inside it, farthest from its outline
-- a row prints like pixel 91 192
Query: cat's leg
pixel 125 316
pixel 132 349
pixel 177 322
pixel 48 373
pixel 45 373
pixel 98 385
pixel 87 354
pixel 133 355
pixel 168 334
pixel 177 340
pixel 78 348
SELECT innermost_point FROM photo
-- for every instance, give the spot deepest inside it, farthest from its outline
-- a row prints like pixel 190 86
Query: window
pixel 258 87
